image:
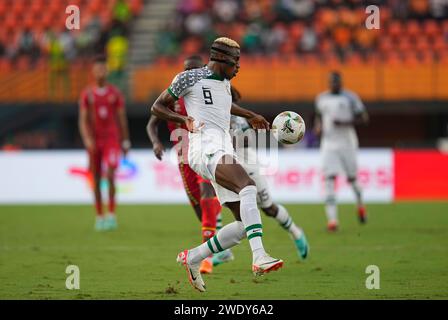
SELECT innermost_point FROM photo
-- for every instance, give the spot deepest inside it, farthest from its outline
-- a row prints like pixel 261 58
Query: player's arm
pixel 123 122
pixel 317 124
pixel 255 120
pixel 152 131
pixel 360 116
pixel 161 109
pixel 84 129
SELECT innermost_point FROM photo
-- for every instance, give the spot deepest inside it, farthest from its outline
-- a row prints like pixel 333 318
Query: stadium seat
pixel 395 29
pixel 431 28
pixel 413 28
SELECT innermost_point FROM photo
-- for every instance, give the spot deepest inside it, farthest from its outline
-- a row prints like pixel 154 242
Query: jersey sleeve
pixel 318 104
pixel 84 100
pixel 179 86
pixel 120 100
pixel 357 105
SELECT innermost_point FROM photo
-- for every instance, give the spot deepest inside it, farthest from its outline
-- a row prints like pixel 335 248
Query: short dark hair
pixel 335 74
pixel 100 58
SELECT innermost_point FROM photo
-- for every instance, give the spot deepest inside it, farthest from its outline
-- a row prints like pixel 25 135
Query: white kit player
pixel 337 112
pixel 208 102
pixel 247 155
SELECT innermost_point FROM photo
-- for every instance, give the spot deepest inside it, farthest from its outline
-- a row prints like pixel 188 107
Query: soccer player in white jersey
pixel 208 101
pixel 247 155
pixel 338 111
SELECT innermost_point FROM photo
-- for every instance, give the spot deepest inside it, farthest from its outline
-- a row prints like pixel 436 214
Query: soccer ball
pixel 288 127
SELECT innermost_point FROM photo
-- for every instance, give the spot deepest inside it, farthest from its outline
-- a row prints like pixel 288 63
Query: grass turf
pixel 407 241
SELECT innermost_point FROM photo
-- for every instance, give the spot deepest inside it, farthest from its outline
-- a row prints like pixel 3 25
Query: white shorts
pixel 337 161
pixel 248 159
pixel 205 150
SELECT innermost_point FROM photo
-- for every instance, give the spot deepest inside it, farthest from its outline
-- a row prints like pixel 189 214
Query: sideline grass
pixel 407 241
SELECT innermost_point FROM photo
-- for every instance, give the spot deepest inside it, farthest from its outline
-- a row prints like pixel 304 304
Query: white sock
pixel 285 220
pixel 332 212
pixel 358 193
pixel 250 216
pixel 229 236
pixel 218 221
pixel 330 201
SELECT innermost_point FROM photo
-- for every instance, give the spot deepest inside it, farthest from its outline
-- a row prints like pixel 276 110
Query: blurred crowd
pixel 317 27
pixel 34 32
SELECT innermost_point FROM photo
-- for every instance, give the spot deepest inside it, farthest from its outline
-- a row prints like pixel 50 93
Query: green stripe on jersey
pixel 172 94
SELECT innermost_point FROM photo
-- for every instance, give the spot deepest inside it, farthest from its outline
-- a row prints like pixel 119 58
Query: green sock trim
pixel 210 246
pixel 218 245
pixel 288 223
pixel 254 226
pixel 253 235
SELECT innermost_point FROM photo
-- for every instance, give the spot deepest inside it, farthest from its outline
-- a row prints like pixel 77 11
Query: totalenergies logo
pixel 126 172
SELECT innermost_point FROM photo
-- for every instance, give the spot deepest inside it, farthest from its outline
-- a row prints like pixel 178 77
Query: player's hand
pixel 158 150
pixel 90 145
pixel 258 122
pixel 125 146
pixel 189 123
pixel 339 123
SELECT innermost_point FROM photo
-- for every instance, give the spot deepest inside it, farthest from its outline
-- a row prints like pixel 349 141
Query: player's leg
pixel 223 256
pixel 211 214
pixel 95 171
pixel 111 219
pixel 232 176
pixel 351 170
pixel 210 208
pixel 331 166
pixel 281 214
pixel 331 208
pixel 191 187
pixel 277 211
pixel 227 237
pixel 112 158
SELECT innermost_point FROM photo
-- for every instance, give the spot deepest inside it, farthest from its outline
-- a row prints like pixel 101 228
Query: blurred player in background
pixel 247 155
pixel 208 102
pixel 104 132
pixel 337 112
pixel 199 190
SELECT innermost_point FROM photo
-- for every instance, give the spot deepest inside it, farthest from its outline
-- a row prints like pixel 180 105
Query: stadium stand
pixel 299 40
pixel 40 59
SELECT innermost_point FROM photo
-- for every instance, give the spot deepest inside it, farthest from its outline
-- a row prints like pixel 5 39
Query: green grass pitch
pixel 407 241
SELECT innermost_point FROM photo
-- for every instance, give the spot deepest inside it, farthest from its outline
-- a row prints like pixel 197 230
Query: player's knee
pixel 330 199
pixel 248 182
pixel 207 190
pixel 270 211
pixel 243 183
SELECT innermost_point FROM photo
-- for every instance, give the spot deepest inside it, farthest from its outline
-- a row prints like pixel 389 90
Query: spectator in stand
pixel 27 45
pixel 438 9
pixel 117 50
pixel 58 66
pixel 89 36
pixel 122 12
pixel 308 41
pixel 226 10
